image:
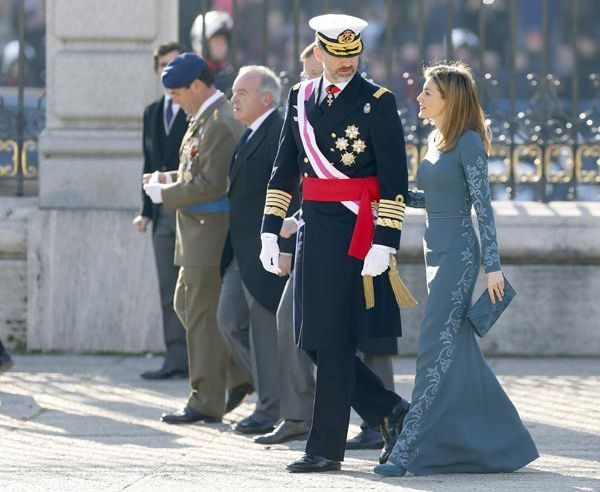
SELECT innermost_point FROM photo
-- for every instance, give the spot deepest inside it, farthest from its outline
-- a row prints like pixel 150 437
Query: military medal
pixel 348 158
pixel 359 146
pixel 352 132
pixel 341 143
pixel 331 90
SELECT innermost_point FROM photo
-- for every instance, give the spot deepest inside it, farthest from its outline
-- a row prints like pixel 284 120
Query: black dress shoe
pixel 236 396
pixel 188 415
pixel 163 373
pixel 6 361
pixel 286 430
pixel 252 425
pixel 311 463
pixel 367 438
pixel 390 427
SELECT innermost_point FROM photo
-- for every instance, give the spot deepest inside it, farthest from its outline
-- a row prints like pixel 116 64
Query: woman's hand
pixel 495 285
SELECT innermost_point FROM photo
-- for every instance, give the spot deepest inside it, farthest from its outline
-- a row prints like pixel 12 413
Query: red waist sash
pixel 365 190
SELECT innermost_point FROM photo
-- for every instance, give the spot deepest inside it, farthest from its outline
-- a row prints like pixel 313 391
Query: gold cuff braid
pixel 391 213
pixel 277 203
pixel 275 211
pixel 384 222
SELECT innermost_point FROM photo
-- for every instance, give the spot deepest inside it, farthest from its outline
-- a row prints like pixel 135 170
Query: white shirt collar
pixel 259 121
pixel 175 106
pixel 325 83
pixel 207 103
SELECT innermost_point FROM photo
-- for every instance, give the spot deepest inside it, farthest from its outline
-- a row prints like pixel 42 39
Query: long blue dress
pixel 460 420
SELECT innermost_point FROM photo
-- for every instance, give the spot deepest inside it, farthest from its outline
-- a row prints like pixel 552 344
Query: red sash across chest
pixel 366 190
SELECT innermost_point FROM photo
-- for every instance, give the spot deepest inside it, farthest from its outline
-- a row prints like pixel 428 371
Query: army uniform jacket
pixel 361 135
pixel 204 159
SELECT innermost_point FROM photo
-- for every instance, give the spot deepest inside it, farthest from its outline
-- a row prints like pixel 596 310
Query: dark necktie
pixel 243 140
pixel 169 116
pixel 331 91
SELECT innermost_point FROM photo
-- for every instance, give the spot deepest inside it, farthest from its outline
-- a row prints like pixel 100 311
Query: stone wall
pixel 13 269
pixel 91 278
pixel 551 254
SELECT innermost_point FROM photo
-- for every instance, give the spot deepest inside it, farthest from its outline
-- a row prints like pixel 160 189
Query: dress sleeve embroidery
pixel 474 163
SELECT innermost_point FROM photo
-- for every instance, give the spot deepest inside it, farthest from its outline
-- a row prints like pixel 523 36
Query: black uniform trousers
pixel 344 381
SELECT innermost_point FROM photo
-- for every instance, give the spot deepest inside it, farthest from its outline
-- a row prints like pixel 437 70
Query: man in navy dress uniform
pixel 343 139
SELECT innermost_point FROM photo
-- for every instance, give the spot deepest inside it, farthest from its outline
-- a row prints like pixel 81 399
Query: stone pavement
pixel 90 423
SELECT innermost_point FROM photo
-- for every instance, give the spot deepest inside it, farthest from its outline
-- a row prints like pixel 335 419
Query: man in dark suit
pixel 249 295
pixel 343 136
pixel 164 128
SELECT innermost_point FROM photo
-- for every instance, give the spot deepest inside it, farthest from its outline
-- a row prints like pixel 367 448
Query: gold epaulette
pixel 277 203
pixel 391 212
pixel 380 92
pixel 296 86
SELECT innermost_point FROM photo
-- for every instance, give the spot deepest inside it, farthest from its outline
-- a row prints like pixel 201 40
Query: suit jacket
pixel 248 178
pixel 204 159
pixel 161 151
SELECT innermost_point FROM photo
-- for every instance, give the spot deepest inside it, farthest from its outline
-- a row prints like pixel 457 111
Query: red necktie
pixel 331 90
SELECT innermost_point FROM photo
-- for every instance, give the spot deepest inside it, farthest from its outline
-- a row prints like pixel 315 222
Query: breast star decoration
pixel 351 140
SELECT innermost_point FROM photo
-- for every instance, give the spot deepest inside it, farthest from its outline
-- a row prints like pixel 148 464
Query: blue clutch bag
pixel 483 314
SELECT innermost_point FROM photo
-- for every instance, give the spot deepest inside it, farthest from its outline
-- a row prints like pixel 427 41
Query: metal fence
pixel 537 64
pixel 22 112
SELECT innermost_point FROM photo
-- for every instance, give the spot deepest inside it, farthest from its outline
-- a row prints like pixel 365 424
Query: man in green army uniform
pixel 197 191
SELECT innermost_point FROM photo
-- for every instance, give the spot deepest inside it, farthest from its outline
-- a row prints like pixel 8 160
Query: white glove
pixel 154 178
pixel 269 253
pixel 154 191
pixel 156 175
pixel 377 260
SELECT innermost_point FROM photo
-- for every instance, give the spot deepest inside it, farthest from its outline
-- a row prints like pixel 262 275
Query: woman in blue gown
pixel 460 419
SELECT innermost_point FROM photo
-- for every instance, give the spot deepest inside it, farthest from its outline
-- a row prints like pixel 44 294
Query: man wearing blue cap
pixel 197 192
pixel 343 138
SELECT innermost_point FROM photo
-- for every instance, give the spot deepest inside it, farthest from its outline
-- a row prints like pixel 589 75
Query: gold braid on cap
pixel 341 48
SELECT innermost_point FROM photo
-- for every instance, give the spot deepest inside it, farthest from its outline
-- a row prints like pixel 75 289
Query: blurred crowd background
pixel 537 63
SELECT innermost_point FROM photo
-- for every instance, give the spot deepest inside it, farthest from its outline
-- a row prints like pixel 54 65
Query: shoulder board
pixel 380 92
pixel 296 87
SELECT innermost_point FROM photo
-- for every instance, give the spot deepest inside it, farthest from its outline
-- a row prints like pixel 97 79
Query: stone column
pixel 92 280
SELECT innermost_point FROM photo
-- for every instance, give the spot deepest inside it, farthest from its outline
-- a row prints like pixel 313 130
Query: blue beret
pixel 182 70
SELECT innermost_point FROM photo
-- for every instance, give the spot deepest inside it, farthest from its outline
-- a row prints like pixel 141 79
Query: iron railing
pixel 546 140
pixel 545 119
pixel 21 121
